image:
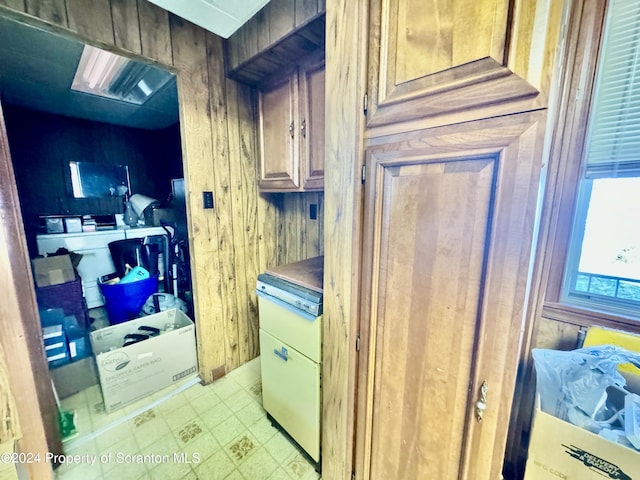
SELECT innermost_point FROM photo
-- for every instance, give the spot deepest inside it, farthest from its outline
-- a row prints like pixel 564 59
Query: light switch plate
pixel 207 199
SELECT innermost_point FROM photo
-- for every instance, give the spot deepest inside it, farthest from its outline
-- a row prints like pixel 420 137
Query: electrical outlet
pixel 207 199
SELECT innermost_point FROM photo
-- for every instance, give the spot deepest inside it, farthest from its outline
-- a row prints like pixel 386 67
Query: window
pixel 603 265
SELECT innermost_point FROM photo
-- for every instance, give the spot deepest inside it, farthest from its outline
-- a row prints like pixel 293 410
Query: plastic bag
pixel 573 384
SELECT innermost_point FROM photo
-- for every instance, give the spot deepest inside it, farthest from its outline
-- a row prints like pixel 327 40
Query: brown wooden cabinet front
pixel 292 131
pixel 312 127
pixel 449 219
pixel 278 110
pixel 451 61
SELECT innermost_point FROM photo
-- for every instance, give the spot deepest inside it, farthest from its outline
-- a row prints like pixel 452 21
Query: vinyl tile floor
pixel 218 431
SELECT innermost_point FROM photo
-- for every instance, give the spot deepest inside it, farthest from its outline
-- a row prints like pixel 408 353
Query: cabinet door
pixel 448 235
pixel 278 111
pixel 449 61
pixel 312 127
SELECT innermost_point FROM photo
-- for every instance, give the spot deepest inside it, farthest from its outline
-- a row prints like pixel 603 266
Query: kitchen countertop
pixel 307 273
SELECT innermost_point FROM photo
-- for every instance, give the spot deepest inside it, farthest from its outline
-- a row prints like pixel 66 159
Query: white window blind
pixel 613 147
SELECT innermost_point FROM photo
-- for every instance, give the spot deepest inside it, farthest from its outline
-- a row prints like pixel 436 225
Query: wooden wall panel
pixel 269 26
pixel 126 27
pixel 304 10
pixel 155 38
pixel 189 51
pixel 299 237
pixel 346 37
pixel 241 128
pixel 51 10
pixel 18 5
pixel 223 200
pixel 92 20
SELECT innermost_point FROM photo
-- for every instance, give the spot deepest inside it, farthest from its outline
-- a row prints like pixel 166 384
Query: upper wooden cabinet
pixel 278 35
pixel 446 62
pixel 291 131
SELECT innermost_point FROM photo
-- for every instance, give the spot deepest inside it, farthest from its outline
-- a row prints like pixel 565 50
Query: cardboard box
pixel 53 270
pixel 130 373
pixel 560 450
pixel 74 377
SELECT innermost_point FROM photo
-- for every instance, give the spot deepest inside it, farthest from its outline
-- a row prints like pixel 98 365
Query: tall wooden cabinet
pixel 453 151
pixel 291 130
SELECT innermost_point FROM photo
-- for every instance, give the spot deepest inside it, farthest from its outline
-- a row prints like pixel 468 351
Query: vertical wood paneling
pixel 304 10
pixel 18 5
pixel 313 244
pixel 93 21
pixel 126 27
pixel 223 198
pixel 238 218
pixel 189 51
pixel 268 230
pixel 245 206
pixel 51 10
pixel 262 29
pixel 155 36
pixel 346 33
pixel 281 18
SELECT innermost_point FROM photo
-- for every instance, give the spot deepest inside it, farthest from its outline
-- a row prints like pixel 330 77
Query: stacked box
pixel 67 296
pixel 55 345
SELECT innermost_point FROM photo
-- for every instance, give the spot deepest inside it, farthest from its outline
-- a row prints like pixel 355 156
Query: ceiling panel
pixel 222 17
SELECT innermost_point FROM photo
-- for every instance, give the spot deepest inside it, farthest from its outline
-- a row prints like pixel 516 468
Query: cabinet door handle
pixel 291 129
pixel 481 404
pixel 303 129
pixel 282 353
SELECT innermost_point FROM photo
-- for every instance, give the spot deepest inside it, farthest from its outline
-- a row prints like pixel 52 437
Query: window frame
pixel 569 294
pixel 588 172
pixel 569 117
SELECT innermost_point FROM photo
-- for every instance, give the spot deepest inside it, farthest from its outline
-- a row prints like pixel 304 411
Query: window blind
pixel 613 144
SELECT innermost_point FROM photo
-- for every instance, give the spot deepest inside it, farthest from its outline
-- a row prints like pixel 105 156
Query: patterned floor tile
pixel 217 466
pixel 190 431
pixel 180 416
pixel 228 430
pixel 220 428
pixel 258 465
pixel 144 417
pixel 241 448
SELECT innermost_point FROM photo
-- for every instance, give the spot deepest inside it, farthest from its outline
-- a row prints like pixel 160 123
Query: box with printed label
pixel 139 357
pixel 560 450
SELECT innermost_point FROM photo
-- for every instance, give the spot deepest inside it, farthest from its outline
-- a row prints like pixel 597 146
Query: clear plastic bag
pixel 572 385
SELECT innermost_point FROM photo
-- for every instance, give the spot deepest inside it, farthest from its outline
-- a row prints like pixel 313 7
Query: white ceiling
pixel 222 17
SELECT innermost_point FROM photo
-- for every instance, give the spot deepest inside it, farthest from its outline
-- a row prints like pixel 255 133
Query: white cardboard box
pixel 130 373
pixel 560 450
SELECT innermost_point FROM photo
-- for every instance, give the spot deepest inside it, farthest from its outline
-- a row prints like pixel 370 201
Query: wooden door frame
pixel 20 328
